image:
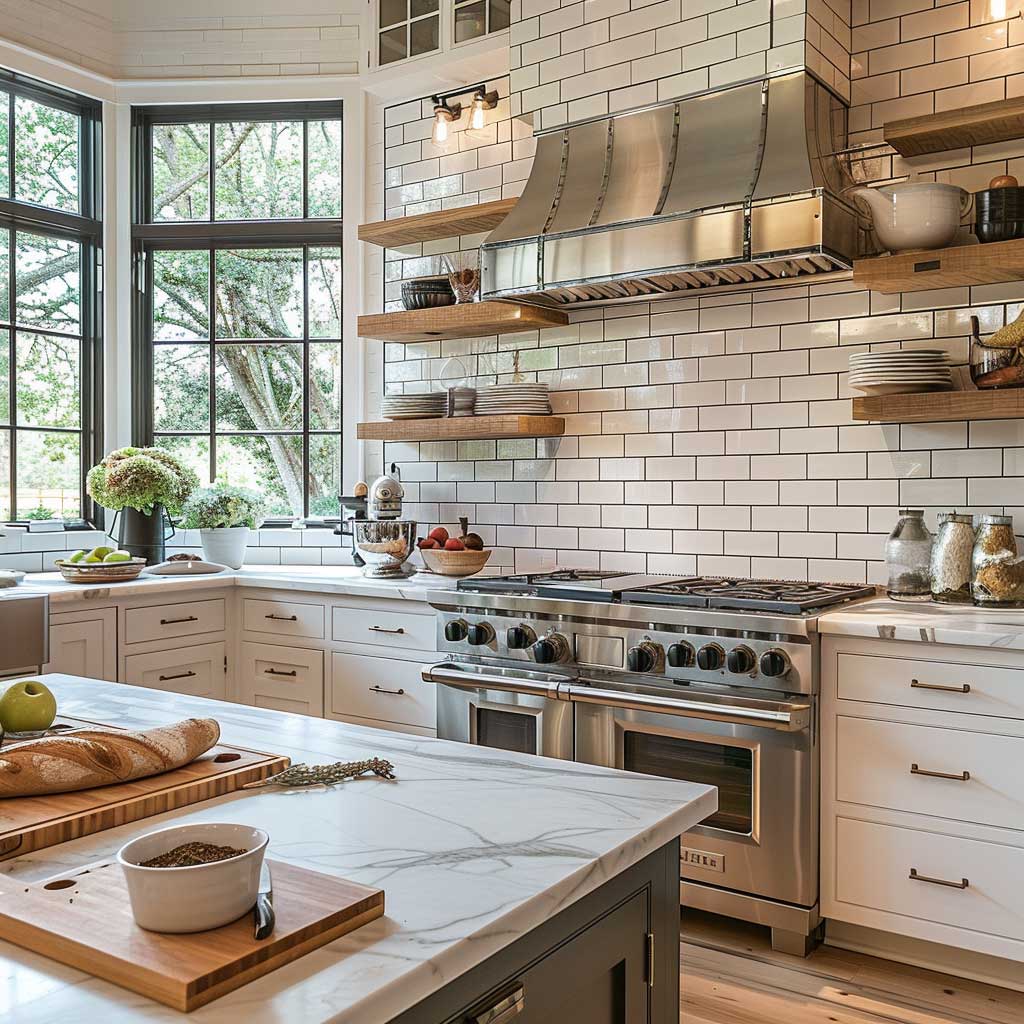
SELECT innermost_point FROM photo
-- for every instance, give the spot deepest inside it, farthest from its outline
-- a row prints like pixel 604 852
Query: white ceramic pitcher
pixel 915 214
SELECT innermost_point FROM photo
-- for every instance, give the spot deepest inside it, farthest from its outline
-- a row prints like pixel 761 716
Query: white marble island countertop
pixel 927 622
pixel 474 847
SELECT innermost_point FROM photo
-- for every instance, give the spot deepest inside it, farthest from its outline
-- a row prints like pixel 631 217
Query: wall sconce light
pixel 482 101
pixel 446 114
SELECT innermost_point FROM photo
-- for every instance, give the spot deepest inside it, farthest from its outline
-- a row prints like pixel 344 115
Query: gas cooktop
pixel 786 596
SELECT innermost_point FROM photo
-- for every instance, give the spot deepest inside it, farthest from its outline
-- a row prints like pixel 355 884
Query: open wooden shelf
pixel 939 406
pixel 425 227
pixel 463 320
pixel 957 129
pixel 462 428
pixel 942 268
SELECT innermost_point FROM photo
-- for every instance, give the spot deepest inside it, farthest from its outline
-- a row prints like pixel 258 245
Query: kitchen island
pixel 505 875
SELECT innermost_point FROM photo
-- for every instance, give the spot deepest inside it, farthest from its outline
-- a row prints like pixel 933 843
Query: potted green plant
pixel 144 486
pixel 223 516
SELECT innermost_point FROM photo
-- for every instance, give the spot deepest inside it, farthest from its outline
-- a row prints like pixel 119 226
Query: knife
pixel 263 911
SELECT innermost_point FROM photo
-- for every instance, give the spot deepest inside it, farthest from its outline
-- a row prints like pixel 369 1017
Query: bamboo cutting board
pixel 30 823
pixel 84 920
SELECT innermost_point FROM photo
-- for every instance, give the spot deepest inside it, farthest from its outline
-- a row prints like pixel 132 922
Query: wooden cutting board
pixel 84 920
pixel 30 823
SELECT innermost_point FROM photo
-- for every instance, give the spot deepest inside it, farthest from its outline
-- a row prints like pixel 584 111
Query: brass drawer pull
pixel 915 877
pixel 916 684
pixel 383 629
pixel 955 776
pixel 380 689
pixel 278 672
pixel 172 622
pixel 283 618
pixel 503 1010
pixel 180 675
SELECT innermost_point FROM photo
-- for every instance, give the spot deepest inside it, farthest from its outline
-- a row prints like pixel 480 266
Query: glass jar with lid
pixel 908 553
pixel 951 572
pixel 997 573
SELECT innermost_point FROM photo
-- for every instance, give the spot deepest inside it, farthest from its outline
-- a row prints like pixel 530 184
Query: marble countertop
pixel 323 579
pixel 474 847
pixel 927 622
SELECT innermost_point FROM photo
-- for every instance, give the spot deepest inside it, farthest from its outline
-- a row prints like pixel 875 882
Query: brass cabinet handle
pixel 955 776
pixel 278 672
pixel 384 629
pixel 503 1010
pixel 915 877
pixel 916 684
pixel 180 675
pixel 380 689
pixel 171 622
pixel 283 618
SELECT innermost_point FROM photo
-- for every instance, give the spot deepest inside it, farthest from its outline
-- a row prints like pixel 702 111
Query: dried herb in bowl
pixel 189 855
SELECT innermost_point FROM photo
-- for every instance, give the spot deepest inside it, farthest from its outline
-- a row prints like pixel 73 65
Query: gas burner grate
pixel 790 597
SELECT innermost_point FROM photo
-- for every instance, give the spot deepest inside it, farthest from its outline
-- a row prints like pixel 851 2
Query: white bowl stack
pixel 900 372
pixel 526 399
pixel 432 405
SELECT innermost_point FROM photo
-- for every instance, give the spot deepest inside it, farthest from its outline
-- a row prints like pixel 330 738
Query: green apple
pixel 76 556
pixel 99 553
pixel 91 559
pixel 27 706
pixel 118 556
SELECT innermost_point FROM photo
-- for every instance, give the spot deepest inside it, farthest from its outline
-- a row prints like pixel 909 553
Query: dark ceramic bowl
pixel 427 293
pixel 999 230
pixel 999 199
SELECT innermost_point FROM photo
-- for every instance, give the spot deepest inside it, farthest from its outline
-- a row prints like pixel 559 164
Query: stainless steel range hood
pixel 737 186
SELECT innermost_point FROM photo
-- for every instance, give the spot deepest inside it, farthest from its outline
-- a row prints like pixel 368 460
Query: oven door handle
pixel 445 675
pixel 779 715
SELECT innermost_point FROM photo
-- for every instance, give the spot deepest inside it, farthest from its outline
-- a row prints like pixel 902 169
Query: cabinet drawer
pixel 932 685
pixel 381 689
pixel 285 618
pixel 875 761
pixel 874 863
pixel 194 671
pixel 400 628
pixel 282 678
pixel 173 620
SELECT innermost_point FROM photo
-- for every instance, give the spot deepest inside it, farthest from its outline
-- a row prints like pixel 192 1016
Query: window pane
pixel 181 387
pixel 392 12
pixel 5 176
pixel 181 171
pixel 181 295
pixel 423 36
pixel 325 387
pixel 259 170
pixel 392 45
pixel 5 377
pixel 259 293
pixel 259 387
pixel 48 475
pixel 48 282
pixel 45 155
pixel 324 474
pixel 271 466
pixel 5 274
pixel 325 293
pixel 324 184
pixel 5 475
pixel 417 8
pixel 470 21
pixel 500 15
pixel 48 381
pixel 193 451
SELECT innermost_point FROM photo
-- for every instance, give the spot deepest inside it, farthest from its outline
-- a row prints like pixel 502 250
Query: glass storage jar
pixel 908 553
pixel 951 559
pixel 997 573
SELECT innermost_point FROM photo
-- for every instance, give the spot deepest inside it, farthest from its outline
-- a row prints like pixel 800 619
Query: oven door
pixel 762 840
pixel 489 708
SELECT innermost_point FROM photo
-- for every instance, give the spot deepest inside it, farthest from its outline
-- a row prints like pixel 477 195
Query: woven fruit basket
pixel 100 572
pixel 454 563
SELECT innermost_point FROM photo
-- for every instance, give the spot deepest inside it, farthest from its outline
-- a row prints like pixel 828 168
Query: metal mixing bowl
pixel 384 545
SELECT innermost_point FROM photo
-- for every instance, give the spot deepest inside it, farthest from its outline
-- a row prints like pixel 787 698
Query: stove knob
pixel 775 663
pixel 480 633
pixel 518 638
pixel 643 657
pixel 710 658
pixel 741 661
pixel 455 631
pixel 680 655
pixel 551 649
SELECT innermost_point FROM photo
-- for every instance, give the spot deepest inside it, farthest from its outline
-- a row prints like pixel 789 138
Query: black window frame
pixel 86 229
pixel 149 236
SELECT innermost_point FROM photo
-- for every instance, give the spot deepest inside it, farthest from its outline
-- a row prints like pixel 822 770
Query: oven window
pixel 731 769
pixel 506 730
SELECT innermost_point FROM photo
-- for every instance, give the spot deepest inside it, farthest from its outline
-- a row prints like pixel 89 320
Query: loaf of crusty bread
pixel 100 757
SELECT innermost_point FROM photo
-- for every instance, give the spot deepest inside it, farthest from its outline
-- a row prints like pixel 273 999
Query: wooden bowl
pixel 454 563
pixel 100 572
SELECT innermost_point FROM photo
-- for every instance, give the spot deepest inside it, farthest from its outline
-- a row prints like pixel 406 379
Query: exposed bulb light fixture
pixel 481 101
pixel 444 116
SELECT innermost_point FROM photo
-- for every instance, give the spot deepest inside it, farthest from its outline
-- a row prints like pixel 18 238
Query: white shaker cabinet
pixel 84 643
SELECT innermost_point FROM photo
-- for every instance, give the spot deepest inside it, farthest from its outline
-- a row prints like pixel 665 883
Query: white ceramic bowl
pixel 197 898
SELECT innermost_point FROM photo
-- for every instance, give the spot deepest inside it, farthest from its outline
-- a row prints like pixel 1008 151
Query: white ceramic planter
pixel 225 546
pixel 915 215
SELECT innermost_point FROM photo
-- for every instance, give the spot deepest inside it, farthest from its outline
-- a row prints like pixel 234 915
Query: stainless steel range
pixel 706 680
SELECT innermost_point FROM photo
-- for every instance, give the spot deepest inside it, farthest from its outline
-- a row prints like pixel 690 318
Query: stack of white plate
pixel 415 407
pixel 900 372
pixel 514 399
